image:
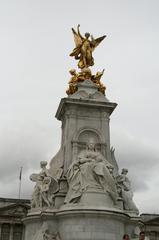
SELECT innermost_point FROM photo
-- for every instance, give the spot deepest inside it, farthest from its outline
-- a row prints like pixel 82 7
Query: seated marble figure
pixel 91 171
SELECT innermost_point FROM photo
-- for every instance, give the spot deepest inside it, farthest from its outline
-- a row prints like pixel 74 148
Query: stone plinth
pixel 91 200
pixel 37 222
pixel 81 223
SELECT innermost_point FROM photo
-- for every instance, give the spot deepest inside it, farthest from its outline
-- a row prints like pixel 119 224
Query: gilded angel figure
pixel 84 48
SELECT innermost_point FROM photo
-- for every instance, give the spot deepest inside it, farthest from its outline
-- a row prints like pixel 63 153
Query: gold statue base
pixel 85 74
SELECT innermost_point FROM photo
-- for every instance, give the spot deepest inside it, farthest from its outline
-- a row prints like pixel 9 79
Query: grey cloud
pixel 25 146
pixel 141 159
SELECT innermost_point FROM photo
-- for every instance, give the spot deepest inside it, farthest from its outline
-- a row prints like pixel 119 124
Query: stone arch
pixel 89 131
pixel 83 136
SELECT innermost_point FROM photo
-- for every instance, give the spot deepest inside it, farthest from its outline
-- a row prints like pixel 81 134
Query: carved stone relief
pixel 47 235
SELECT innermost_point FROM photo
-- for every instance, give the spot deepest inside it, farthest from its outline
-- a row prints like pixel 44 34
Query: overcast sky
pixel 35 42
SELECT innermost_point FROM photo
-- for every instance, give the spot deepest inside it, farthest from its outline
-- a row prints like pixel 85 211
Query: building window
pixel 17 231
pixel 5 232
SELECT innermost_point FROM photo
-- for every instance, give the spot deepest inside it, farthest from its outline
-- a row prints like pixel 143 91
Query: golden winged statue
pixel 84 48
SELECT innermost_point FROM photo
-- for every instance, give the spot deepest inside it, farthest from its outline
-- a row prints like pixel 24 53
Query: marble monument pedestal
pixel 77 211
pixel 95 217
pixel 92 224
pixel 79 222
pixel 37 222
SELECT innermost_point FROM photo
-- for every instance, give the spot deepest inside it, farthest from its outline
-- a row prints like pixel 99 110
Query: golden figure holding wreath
pixel 84 48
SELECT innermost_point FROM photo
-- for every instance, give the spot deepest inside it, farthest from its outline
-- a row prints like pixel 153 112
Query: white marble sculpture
pixel 125 191
pixel 90 170
pixel 47 235
pixel 44 233
pixel 45 188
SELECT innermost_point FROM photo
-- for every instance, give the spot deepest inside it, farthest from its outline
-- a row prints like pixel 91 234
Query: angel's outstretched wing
pixel 78 43
pixel 114 162
pixel 78 38
pixel 96 42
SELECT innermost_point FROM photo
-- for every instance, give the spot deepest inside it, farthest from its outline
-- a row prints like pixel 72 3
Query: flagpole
pixel 20 182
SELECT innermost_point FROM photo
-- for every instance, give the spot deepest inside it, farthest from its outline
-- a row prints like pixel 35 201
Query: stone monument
pixel 81 195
